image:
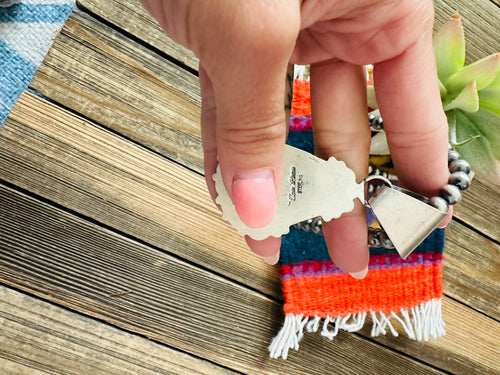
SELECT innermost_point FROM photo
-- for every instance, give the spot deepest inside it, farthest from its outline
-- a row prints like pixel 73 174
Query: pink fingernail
pixel 254 195
pixel 360 275
pixel 273 259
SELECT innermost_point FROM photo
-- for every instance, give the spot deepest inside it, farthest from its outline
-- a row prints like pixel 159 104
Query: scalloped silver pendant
pixel 310 187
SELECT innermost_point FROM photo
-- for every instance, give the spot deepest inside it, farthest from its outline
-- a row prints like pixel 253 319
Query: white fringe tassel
pixel 419 323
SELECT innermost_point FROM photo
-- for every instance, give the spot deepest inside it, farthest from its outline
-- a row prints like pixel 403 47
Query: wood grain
pixel 471 270
pixel 55 340
pixel 78 165
pixel 131 17
pixel 135 99
pixel 68 261
pixel 481 30
pixel 68 160
pixel 480 208
pixel 105 76
pixel 459 330
pixel 65 159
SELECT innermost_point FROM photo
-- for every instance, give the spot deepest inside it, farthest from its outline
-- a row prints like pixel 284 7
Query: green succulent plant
pixel 471 99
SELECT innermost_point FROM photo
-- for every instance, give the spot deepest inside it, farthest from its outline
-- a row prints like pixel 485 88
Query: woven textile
pixel 396 295
pixel 26 34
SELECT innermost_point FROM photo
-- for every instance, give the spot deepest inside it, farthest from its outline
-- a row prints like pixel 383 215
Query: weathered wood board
pixel 66 260
pixel 44 149
pixel 104 211
pixel 109 78
pixel 37 337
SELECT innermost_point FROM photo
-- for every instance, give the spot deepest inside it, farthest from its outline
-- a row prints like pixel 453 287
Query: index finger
pixel 408 95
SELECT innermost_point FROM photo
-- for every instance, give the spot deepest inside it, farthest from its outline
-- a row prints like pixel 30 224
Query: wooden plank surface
pixel 471 272
pixel 68 160
pixel 45 149
pixel 189 276
pixel 78 165
pixel 75 75
pixel 105 76
pixel 131 17
pixel 480 354
pixel 480 208
pixel 55 340
pixel 71 262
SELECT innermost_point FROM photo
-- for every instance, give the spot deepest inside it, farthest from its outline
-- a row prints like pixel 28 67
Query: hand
pixel 244 49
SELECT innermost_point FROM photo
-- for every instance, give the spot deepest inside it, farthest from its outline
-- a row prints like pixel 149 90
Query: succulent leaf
pixel 452 127
pixel 442 89
pixel 496 82
pixel 483 71
pixel 467 100
pixel 449 48
pixel 484 151
pixel 489 98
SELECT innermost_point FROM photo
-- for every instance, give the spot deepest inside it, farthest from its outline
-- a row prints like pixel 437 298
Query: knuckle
pixel 253 139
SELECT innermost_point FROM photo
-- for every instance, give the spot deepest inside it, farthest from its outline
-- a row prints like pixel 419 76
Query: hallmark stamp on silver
pixel 296 185
pixel 311 187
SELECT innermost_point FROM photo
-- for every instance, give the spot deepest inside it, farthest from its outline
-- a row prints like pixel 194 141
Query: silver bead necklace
pixel 449 195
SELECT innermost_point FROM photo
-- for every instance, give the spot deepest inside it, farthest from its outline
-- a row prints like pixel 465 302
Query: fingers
pixel 249 86
pixel 339 113
pixel 268 249
pixel 243 123
pixel 208 125
pixel 417 131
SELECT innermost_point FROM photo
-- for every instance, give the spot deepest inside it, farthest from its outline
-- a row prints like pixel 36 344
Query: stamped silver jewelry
pixel 306 191
pixel 314 190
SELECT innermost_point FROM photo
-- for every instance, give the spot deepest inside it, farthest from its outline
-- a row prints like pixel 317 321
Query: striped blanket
pixel 396 295
pixel 26 31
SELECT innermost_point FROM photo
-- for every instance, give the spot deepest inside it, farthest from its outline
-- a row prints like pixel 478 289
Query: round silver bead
pixel 451 194
pixel 306 225
pixel 378 124
pixel 385 241
pixel 375 120
pixel 373 240
pixel 460 179
pixel 316 225
pixel 439 203
pixel 459 166
pixel 452 156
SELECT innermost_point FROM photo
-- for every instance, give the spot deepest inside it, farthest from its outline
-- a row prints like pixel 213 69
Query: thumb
pixel 249 85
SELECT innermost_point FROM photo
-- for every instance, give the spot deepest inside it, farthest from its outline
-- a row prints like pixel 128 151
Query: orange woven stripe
pixel 301 101
pixel 383 291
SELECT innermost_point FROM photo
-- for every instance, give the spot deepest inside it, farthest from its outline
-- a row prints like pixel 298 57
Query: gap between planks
pixel 68 261
pixel 82 345
pixel 35 156
pixel 155 103
pixel 65 159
